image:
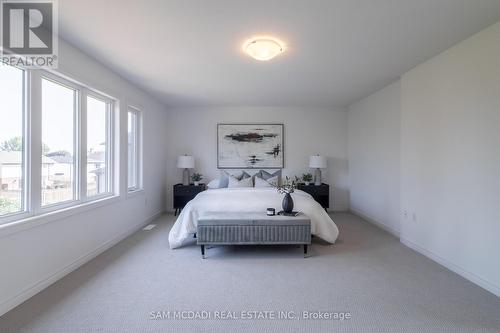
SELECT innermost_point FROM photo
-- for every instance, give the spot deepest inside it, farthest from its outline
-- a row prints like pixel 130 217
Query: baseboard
pixel 382 226
pixel 339 209
pixel 443 262
pixel 454 268
pixel 34 289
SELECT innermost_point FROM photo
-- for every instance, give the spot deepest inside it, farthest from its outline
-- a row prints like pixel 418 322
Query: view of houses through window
pixel 75 137
pixel 58 142
pixel 11 140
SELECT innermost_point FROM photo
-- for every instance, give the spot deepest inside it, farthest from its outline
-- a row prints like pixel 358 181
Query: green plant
pixel 16 144
pixel 307 177
pixel 9 206
pixel 288 186
pixel 196 177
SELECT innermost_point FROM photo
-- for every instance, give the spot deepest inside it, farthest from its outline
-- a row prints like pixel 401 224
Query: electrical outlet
pixel 405 214
pixel 414 217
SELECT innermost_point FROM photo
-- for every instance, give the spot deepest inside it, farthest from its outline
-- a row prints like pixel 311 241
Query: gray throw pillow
pixel 266 175
pixel 244 182
pixel 245 175
pixel 224 179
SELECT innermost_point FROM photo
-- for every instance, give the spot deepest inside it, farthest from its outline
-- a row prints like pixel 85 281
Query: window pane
pixel 132 150
pixel 58 143
pixel 11 140
pixel 97 146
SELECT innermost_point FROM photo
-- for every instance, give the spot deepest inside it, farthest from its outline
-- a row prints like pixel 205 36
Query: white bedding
pixel 248 200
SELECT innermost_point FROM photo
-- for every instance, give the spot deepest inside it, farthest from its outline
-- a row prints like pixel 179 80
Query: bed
pixel 249 200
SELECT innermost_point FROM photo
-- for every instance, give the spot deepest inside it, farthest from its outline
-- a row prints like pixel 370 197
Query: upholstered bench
pixel 252 229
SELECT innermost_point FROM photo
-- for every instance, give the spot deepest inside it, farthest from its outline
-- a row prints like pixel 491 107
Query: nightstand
pixel 185 193
pixel 320 193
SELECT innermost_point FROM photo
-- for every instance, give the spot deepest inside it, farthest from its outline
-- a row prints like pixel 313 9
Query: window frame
pixel 76 143
pixel 110 143
pixel 138 115
pixel 26 154
pixel 32 144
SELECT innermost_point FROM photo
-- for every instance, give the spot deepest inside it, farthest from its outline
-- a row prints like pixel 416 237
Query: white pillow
pixel 234 182
pixel 213 184
pixel 260 182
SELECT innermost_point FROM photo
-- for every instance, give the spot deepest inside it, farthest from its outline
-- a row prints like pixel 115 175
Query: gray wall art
pixel 247 146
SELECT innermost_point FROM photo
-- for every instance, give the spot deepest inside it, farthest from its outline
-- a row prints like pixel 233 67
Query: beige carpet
pixel 383 285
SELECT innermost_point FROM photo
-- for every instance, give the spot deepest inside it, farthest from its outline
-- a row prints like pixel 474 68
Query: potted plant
pixel 287 188
pixel 307 178
pixel 196 178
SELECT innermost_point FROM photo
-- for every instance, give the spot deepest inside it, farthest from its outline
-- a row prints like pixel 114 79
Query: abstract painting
pixel 247 146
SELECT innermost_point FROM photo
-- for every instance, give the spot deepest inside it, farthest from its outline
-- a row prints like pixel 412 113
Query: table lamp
pixel 317 162
pixel 185 162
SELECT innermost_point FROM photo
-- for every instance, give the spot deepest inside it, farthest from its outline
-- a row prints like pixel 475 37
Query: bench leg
pixel 305 250
pixel 203 251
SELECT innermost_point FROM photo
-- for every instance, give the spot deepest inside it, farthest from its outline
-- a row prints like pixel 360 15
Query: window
pixel 56 143
pixel 134 149
pixel 98 146
pixel 12 141
pixel 59 107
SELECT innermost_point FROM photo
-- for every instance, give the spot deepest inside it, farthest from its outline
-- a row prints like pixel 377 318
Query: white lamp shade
pixel 185 162
pixel 317 162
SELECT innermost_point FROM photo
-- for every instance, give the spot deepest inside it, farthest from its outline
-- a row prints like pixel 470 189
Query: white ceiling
pixel 188 53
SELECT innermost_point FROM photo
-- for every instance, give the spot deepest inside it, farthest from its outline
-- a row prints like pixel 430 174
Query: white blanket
pixel 248 200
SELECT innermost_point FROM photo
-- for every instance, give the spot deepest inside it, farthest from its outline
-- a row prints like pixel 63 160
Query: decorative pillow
pixel 259 182
pixel 224 179
pixel 213 184
pixel 266 175
pixel 245 175
pixel 234 182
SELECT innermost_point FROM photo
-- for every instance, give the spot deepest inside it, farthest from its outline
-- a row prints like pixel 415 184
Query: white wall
pixel 374 157
pixel 37 253
pixel 307 131
pixel 451 158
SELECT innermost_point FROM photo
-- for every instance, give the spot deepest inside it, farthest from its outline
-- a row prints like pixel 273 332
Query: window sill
pixel 13 227
pixel 134 193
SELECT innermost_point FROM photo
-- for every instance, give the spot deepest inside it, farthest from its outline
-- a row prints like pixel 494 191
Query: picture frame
pixel 250 146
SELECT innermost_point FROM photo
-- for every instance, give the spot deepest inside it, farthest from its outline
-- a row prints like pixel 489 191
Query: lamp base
pixel 317 177
pixel 185 177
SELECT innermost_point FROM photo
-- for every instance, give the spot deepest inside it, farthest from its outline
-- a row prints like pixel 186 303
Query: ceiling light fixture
pixel 263 48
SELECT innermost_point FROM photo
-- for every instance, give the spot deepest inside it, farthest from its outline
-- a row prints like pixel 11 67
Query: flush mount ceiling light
pixel 263 48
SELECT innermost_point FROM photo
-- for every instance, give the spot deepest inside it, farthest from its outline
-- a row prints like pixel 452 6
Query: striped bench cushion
pixel 253 229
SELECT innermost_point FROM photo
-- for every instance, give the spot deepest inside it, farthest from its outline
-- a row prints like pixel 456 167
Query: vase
pixel 287 203
pixel 196 183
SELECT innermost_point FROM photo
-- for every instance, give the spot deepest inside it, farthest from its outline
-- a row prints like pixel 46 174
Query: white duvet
pixel 248 200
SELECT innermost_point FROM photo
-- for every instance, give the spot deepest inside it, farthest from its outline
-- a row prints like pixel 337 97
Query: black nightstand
pixel 320 193
pixel 185 193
